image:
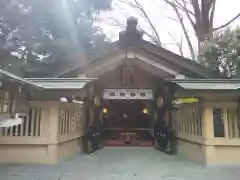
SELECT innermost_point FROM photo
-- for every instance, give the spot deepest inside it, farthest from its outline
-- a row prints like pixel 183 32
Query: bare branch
pixel 188 15
pixel 183 7
pixel 185 32
pixel 179 6
pixel 137 5
pixel 181 46
pixel 227 23
pixel 149 21
pixel 212 13
pixel 150 36
pixel 197 13
pixel 117 23
pixel 212 10
pixel 129 3
pixel 176 20
pixel 123 26
pixel 178 44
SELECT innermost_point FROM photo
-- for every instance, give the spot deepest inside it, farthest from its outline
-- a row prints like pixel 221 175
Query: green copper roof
pixel 8 75
pixel 60 83
pixel 208 84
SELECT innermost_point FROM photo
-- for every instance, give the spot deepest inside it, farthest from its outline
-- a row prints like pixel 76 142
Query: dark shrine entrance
pixel 122 73
pixel 127 122
pixel 124 100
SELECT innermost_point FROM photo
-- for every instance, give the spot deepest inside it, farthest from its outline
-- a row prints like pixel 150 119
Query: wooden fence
pixel 71 119
pixel 31 126
pixel 50 132
pixel 187 119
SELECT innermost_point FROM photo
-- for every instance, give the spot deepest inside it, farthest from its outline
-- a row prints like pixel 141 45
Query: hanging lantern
pixel 145 111
pixel 105 110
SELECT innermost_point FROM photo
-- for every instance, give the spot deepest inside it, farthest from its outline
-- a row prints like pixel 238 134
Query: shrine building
pixel 125 88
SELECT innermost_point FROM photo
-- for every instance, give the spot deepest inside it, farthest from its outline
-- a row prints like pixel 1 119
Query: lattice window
pixel 71 120
pixel 218 122
pixel 127 75
pixel 6 101
pixel 187 119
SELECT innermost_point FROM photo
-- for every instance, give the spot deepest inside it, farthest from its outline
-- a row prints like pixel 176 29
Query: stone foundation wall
pixel 191 151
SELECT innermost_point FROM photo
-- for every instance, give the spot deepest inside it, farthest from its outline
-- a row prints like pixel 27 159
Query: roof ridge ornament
pixel 131 35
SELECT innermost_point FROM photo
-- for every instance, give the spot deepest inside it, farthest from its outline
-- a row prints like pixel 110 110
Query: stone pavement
pixel 120 164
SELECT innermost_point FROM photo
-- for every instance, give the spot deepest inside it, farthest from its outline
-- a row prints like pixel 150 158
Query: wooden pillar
pixel 173 142
pixel 53 123
pixel 237 124
pixel 184 119
pixel 90 116
pixel 207 127
pixel 53 133
pixel 208 134
pixel 236 133
pixel 44 121
pixel 225 122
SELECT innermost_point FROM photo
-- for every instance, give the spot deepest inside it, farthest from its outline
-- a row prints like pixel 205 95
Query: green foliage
pixel 39 33
pixel 222 52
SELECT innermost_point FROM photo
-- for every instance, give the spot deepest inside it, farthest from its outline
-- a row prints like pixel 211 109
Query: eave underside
pixel 146 61
pixel 155 54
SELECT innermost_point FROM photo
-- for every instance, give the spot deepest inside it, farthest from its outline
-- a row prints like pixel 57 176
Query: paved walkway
pixel 120 164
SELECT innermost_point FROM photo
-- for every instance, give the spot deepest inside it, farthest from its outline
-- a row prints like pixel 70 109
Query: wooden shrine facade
pixel 60 109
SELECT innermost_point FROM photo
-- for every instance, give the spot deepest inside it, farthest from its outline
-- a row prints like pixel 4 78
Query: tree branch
pixel 129 4
pixel 212 12
pixel 185 33
pixel 172 19
pixel 179 45
pixel 197 11
pixel 151 37
pixel 149 22
pixel 179 6
pixel 184 7
pixel 188 15
pixel 123 26
pixel 137 5
pixel 227 23
pixel 117 23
